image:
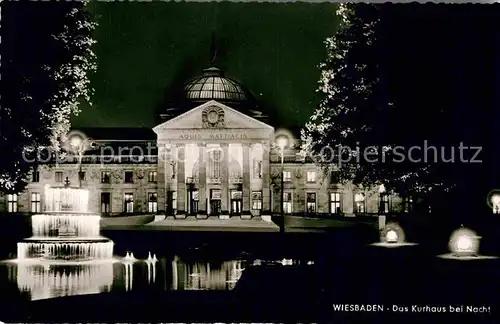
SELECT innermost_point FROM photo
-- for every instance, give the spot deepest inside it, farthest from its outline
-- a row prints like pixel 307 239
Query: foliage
pixel 46 63
pixel 385 92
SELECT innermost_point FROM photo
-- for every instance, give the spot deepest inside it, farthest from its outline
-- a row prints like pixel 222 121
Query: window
pixel 35 202
pixel 12 203
pixel 152 176
pixel 105 177
pixel 236 195
pixel 311 202
pixel 384 203
pixel 235 170
pixel 129 177
pixel 334 177
pixel 287 202
pixel 35 176
pixel 129 202
pixel 214 163
pixel 105 202
pixel 82 176
pixel 216 194
pixel 257 200
pixel 335 203
pixel 287 176
pixel 311 176
pixel 408 204
pixel 257 169
pixel 59 176
pixel 359 203
pixel 152 202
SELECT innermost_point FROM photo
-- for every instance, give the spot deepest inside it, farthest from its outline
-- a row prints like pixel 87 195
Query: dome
pixel 212 84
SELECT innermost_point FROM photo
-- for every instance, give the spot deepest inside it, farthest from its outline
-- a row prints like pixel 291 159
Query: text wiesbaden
pixel 411 308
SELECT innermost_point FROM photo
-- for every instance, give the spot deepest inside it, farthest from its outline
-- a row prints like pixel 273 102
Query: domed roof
pixel 213 85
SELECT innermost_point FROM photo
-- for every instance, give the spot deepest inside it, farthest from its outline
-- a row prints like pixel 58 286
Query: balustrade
pixel 192 180
pixel 216 180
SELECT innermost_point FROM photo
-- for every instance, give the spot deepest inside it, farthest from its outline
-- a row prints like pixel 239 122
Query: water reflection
pixel 151 272
pixel 129 276
pixel 42 281
pixel 49 281
pixel 205 276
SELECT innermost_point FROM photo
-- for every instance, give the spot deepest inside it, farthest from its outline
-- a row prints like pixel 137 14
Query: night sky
pixel 145 48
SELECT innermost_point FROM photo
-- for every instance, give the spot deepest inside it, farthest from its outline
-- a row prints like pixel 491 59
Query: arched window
pixel 214 163
pixel 196 170
pixel 234 170
pixel 257 168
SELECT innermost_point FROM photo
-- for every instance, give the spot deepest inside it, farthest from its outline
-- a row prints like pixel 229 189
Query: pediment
pixel 212 115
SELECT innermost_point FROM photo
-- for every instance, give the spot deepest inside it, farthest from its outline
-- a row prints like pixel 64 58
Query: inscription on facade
pixel 227 136
pixel 214 136
pixel 190 137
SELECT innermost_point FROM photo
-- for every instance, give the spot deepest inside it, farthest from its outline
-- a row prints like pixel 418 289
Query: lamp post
pixel 77 144
pixel 282 142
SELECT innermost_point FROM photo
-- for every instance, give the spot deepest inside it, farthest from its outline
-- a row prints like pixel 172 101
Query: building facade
pixel 212 154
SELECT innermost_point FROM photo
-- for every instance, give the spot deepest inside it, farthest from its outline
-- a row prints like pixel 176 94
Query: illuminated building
pixel 213 153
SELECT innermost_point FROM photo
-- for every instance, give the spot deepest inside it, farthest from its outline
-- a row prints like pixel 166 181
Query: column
pixel 266 201
pixel 181 182
pixel 246 182
pixel 202 182
pixel 348 199
pixel 168 172
pixel 161 179
pixel 225 180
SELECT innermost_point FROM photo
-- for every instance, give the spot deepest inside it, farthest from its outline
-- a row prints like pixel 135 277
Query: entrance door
pixel 236 206
pixel 215 207
pixel 236 202
pixel 215 202
pixel 193 202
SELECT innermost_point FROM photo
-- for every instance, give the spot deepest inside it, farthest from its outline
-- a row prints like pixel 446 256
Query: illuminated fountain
pixel 151 259
pixel 66 255
pixel 66 231
pixel 464 245
pixel 392 236
pixel 129 258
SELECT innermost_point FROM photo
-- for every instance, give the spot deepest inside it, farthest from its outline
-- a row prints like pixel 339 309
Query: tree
pixel 354 99
pixel 390 84
pixel 47 58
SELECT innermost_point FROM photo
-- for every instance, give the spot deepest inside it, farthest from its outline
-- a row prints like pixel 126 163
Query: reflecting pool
pixel 45 280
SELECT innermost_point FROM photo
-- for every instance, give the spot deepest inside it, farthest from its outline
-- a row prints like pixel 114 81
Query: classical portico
pixel 214 161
